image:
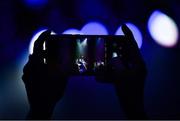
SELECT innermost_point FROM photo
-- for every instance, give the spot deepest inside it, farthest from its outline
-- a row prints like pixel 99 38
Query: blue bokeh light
pixel 72 31
pixel 36 3
pixel 94 28
pixel 136 32
pixel 163 29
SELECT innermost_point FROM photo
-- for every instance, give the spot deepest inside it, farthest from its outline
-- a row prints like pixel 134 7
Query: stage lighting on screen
pixel 94 28
pixel 72 31
pixel 163 29
pixel 136 32
pixel 35 37
pixel 114 55
pixel 84 42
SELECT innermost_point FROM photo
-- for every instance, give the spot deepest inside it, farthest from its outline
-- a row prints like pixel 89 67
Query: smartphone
pixel 82 54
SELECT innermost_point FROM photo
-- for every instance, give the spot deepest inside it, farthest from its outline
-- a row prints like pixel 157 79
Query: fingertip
pixel 124 25
pixel 126 30
pixel 46 33
pixel 38 45
pixel 44 36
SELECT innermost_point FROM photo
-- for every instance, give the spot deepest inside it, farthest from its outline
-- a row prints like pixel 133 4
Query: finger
pixel 131 42
pixel 38 45
pixel 129 35
pixel 132 50
pixel 127 32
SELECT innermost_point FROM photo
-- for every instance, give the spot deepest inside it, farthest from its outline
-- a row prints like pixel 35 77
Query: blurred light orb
pixel 136 32
pixel 36 3
pixel 163 29
pixel 94 28
pixel 72 31
pixel 35 37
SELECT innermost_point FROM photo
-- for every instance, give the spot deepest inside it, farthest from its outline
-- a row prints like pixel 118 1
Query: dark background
pixel 84 97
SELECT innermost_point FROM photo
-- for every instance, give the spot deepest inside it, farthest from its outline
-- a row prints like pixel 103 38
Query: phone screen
pixel 80 54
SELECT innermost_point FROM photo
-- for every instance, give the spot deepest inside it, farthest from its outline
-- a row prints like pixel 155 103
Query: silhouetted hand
pixel 44 85
pixel 130 65
pixel 128 73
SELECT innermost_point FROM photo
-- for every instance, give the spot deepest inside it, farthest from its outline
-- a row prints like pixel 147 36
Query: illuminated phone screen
pixel 80 54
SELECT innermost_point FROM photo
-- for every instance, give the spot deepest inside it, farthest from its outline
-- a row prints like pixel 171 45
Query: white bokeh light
pixel 35 37
pixel 136 33
pixel 163 29
pixel 94 28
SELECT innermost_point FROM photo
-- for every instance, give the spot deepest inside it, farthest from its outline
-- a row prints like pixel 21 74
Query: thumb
pixel 127 31
pixel 38 45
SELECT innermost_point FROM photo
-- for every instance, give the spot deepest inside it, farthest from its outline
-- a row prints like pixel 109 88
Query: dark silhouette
pixel 45 86
pixel 129 78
